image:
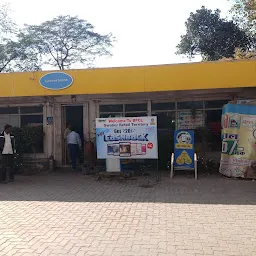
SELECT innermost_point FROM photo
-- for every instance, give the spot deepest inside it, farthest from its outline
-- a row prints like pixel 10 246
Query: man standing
pixel 66 133
pixel 74 145
pixel 7 148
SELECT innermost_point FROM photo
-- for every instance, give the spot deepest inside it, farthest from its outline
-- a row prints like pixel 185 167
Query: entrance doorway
pixel 73 115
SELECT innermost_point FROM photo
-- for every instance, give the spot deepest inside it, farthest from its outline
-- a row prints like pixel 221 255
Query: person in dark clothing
pixel 7 149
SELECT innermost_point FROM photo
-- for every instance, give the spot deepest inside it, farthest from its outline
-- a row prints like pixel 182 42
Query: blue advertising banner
pixel 128 137
pixel 184 149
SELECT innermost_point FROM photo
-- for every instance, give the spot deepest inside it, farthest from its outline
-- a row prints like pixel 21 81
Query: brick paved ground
pixel 75 215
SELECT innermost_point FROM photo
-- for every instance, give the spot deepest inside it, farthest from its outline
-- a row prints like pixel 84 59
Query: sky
pixel 146 31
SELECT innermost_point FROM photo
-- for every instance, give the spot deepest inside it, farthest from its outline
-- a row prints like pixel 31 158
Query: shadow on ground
pixel 65 187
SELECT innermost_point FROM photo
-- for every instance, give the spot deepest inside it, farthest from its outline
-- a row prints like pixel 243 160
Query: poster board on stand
pixel 184 149
pixel 127 138
pixel 184 157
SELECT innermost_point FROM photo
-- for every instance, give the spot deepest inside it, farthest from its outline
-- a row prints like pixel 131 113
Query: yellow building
pixel 52 98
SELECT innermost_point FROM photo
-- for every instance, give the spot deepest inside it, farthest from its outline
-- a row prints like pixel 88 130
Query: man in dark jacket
pixel 7 149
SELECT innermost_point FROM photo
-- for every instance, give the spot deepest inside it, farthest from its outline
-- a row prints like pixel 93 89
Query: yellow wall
pixel 137 79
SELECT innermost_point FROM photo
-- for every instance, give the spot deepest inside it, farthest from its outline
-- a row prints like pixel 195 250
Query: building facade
pixel 166 91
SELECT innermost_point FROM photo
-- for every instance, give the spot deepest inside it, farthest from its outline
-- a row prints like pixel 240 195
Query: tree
pixel 244 14
pixel 8 53
pixel 242 55
pixel 211 37
pixel 250 7
pixel 14 55
pixel 27 58
pixel 244 10
pixel 65 41
pixel 7 28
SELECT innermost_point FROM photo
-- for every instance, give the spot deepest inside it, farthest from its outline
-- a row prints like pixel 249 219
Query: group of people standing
pixel 74 145
pixel 8 150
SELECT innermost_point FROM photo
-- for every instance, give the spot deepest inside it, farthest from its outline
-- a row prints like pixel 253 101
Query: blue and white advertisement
pixel 127 138
pixel 184 149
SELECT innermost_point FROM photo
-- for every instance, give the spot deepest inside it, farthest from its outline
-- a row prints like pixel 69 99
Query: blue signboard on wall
pixel 184 149
pixel 49 120
pixel 56 81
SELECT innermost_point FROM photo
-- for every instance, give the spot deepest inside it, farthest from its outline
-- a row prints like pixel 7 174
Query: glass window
pixel 187 119
pixel 163 106
pixel 213 116
pixel 190 105
pixel 215 103
pixel 137 114
pixel 213 123
pixel 31 120
pixel 9 110
pixel 166 127
pixel 165 120
pixel 31 110
pixel 31 116
pixel 3 121
pixel 111 108
pixel 13 120
pixel 135 107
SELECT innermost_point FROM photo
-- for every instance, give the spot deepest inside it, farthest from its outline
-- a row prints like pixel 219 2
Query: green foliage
pixel 27 58
pixel 7 26
pixel 14 54
pixel 244 12
pixel 7 29
pixel 211 37
pixel 65 41
pixel 244 15
pixel 242 55
pixel 61 42
pixel 28 139
pixel 7 55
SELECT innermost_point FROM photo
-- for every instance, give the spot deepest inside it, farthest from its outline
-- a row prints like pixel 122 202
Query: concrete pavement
pixel 64 214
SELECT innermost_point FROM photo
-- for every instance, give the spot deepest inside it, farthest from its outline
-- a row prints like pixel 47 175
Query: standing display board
pixel 184 149
pixel 238 157
pixel 127 138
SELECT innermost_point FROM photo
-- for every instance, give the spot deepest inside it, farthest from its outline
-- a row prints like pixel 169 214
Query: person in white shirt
pixel 7 148
pixel 74 145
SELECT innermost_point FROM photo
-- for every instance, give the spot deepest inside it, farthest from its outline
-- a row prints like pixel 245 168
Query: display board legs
pixel 195 161
pixel 172 166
